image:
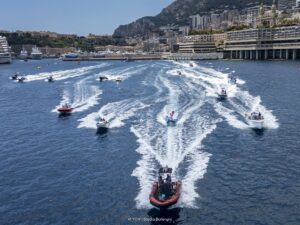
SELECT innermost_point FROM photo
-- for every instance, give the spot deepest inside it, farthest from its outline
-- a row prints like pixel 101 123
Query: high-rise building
pixel 286 4
pixel 297 3
pixel 200 22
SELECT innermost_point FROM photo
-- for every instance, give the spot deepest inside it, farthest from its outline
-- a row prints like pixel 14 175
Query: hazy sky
pixel 75 16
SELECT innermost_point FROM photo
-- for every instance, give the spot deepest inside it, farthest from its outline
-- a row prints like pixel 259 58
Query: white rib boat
pixel 255 120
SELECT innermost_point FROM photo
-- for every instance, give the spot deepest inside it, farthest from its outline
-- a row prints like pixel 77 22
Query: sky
pixel 75 16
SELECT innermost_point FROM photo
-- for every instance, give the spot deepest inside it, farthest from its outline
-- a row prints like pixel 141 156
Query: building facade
pixel 197 44
pixel 264 43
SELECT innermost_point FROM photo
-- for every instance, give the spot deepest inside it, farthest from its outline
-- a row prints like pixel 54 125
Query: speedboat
pixel 65 109
pixel 102 125
pixel 15 77
pixel 165 192
pixel 21 79
pixel 50 79
pixel 118 79
pixel 191 65
pixel 170 120
pixel 255 120
pixel 223 94
pixel 179 72
pixel 102 78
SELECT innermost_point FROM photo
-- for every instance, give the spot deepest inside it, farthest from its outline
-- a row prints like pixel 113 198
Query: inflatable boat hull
pixel 164 204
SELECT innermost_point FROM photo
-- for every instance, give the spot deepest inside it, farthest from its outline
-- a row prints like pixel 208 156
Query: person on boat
pixel 160 180
pixel 15 76
pixel 172 114
pixel 168 179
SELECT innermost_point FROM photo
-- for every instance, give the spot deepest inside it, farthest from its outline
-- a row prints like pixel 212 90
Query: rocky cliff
pixel 178 13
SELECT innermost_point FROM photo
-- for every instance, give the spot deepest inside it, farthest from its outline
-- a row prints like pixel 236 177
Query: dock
pixel 116 57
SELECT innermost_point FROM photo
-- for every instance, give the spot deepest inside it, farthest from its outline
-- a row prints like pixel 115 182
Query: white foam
pixel 160 145
pixel 65 74
pixel 213 80
pixel 116 113
pixel 82 97
pixel 173 146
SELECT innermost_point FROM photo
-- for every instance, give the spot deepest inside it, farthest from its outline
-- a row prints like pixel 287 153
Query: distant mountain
pixel 178 13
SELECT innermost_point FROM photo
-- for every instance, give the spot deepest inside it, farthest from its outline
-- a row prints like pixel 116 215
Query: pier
pixel 116 57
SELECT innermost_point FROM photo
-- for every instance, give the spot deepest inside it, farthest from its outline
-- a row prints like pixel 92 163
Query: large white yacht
pixel 36 53
pixel 23 54
pixel 5 56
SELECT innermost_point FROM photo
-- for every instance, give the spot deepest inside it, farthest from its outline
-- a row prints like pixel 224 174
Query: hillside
pixel 178 13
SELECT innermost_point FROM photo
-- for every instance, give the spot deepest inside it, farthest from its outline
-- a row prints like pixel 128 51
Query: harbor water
pixel 58 170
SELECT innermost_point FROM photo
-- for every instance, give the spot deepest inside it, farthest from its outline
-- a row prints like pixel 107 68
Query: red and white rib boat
pixel 165 193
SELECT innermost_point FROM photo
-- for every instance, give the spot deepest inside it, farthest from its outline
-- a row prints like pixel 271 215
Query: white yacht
pixel 36 53
pixel 23 54
pixel 5 56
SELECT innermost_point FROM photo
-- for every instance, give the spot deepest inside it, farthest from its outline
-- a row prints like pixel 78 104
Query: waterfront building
pixel 5 55
pixel 263 43
pixel 197 44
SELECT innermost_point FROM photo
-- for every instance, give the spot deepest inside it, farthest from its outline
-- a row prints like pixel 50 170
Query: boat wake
pixel 192 95
pixel 239 101
pixel 178 147
pixel 122 73
pixel 65 74
pixel 116 113
pixel 81 96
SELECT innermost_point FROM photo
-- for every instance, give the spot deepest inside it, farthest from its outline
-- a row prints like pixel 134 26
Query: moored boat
pixel 165 192
pixel 23 54
pixel 5 55
pixel 36 54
